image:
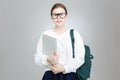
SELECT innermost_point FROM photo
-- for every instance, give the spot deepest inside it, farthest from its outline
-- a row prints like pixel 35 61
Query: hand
pixel 53 58
pixel 58 68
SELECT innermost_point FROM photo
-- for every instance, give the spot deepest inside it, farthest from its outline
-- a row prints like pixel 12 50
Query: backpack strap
pixel 72 41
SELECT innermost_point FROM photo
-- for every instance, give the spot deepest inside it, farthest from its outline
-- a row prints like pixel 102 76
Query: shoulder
pixel 76 32
pixel 46 31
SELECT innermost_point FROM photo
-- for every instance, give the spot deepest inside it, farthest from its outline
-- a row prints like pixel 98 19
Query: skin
pixel 59 29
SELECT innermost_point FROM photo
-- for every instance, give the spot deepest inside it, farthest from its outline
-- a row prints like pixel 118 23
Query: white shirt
pixel 64 51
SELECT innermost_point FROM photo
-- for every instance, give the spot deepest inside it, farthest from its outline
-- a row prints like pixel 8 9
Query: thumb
pixel 55 54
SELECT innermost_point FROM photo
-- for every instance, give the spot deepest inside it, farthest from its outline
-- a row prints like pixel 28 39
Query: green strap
pixel 72 41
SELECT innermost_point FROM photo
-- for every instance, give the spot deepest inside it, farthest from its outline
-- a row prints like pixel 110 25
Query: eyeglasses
pixel 61 15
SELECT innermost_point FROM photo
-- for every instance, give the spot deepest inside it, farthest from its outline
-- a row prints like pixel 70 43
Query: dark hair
pixel 57 5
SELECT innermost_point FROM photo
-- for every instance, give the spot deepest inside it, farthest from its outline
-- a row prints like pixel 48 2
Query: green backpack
pixel 83 72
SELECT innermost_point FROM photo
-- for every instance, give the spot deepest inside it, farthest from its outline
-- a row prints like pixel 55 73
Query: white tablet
pixel 49 44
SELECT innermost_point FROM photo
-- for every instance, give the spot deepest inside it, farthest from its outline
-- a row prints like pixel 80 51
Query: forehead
pixel 58 10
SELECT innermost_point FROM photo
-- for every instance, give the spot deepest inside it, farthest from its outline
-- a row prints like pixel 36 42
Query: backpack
pixel 83 72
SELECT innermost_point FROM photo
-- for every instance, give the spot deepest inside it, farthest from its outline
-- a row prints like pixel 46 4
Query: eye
pixel 54 14
pixel 61 14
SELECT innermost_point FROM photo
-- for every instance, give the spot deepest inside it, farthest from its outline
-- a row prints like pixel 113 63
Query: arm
pixel 42 59
pixel 76 62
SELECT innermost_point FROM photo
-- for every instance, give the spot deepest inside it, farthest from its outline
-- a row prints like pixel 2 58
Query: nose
pixel 58 16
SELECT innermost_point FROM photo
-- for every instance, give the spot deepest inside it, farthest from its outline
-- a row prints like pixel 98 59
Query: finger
pixel 51 53
pixel 55 65
pixel 53 70
pixel 52 67
pixel 54 53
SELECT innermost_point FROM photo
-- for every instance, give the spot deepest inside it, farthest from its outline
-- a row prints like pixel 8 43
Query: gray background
pixel 22 21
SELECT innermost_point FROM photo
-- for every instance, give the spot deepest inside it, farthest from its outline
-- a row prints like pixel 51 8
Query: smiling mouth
pixel 59 21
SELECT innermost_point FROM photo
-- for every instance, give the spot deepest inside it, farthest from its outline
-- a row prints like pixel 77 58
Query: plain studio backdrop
pixel 22 22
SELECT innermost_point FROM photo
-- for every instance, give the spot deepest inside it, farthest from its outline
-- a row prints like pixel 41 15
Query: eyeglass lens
pixel 61 15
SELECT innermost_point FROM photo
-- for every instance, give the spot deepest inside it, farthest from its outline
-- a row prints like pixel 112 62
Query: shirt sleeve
pixel 76 62
pixel 40 58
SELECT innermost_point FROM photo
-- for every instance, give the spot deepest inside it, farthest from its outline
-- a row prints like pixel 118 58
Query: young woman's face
pixel 59 16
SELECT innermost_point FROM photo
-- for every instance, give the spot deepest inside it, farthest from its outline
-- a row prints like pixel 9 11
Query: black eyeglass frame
pixel 61 15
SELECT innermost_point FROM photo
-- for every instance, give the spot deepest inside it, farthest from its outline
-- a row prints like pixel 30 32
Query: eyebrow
pixel 58 13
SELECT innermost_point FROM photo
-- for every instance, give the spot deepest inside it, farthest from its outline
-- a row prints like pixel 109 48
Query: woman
pixel 60 65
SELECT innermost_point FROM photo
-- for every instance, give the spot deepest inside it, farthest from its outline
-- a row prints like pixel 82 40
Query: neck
pixel 59 28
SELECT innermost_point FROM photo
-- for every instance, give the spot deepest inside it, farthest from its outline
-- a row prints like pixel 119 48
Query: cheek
pixel 54 20
pixel 63 21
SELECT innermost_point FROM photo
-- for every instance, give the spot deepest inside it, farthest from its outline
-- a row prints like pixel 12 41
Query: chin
pixel 59 24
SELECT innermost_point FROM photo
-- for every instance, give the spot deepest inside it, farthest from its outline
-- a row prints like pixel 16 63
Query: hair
pixel 57 5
